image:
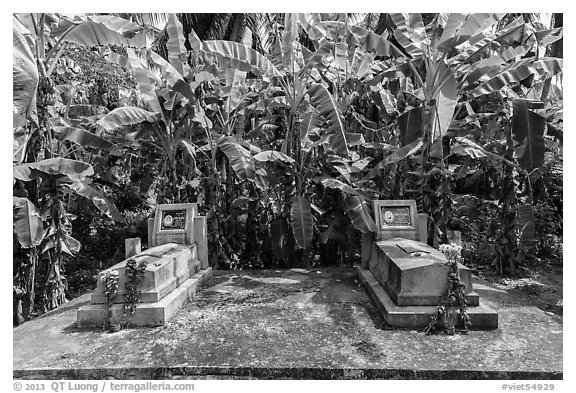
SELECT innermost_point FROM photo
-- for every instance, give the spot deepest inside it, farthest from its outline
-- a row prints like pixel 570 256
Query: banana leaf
pixel 273 155
pixel 27 223
pixel 310 122
pixel 446 99
pixel 380 45
pixel 473 48
pixel 361 64
pixel 330 182
pixel 141 75
pixel 478 22
pixel 325 50
pixel 24 76
pixel 103 204
pixel 404 152
pixel 410 33
pixel 81 137
pixel 127 115
pixel 288 36
pixel 69 244
pixel 384 100
pixel 465 147
pixel 449 36
pixel 76 170
pixel 528 134
pixel 243 202
pixel 301 217
pixel 239 157
pixel 175 44
pixel 311 24
pixel 410 126
pixel 236 55
pixel 359 212
pixel 171 74
pixel 101 30
pixel 398 154
pixel 188 147
pixel 324 103
pixel 544 68
pixel 461 27
pixel 547 37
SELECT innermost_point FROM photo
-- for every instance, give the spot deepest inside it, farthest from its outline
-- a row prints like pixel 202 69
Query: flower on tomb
pixel 452 252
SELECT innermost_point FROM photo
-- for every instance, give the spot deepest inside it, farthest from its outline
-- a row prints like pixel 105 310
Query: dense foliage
pixel 282 128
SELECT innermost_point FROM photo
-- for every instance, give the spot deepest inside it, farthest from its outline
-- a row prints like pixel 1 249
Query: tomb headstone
pixel 406 277
pixel 176 266
pixel 173 223
pixel 396 219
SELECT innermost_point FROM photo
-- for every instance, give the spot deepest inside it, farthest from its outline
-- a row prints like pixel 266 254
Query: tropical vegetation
pixel 282 128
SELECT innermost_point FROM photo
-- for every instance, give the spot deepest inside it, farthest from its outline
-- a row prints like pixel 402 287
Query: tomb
pixel 405 277
pixel 176 266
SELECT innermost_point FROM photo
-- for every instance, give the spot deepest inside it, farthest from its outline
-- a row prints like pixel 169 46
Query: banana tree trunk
pixel 427 198
pixel 435 185
pixel 29 274
pixel 508 243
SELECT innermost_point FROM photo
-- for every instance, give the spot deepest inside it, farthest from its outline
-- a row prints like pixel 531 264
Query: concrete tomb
pixel 407 278
pixel 176 266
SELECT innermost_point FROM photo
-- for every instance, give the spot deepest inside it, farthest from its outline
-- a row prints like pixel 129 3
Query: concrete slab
pixel 290 324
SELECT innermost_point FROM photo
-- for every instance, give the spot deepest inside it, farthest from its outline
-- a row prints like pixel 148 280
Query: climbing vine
pixel 110 280
pixel 454 296
pixel 134 277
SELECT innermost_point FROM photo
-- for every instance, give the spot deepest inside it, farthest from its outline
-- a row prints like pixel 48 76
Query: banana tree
pixel 455 58
pixel 41 141
pixel 45 230
pixel 317 106
pixel 320 92
pixel 189 119
pixel 231 104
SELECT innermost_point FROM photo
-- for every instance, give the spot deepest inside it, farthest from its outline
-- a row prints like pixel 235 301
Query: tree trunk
pixel 28 301
pixel 508 255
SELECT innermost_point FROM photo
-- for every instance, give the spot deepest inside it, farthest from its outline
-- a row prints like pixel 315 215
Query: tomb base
pixel 418 317
pixel 407 280
pixel 173 275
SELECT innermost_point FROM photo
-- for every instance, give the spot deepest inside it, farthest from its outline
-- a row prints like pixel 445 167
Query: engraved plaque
pixel 395 216
pixel 173 219
pixel 173 223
